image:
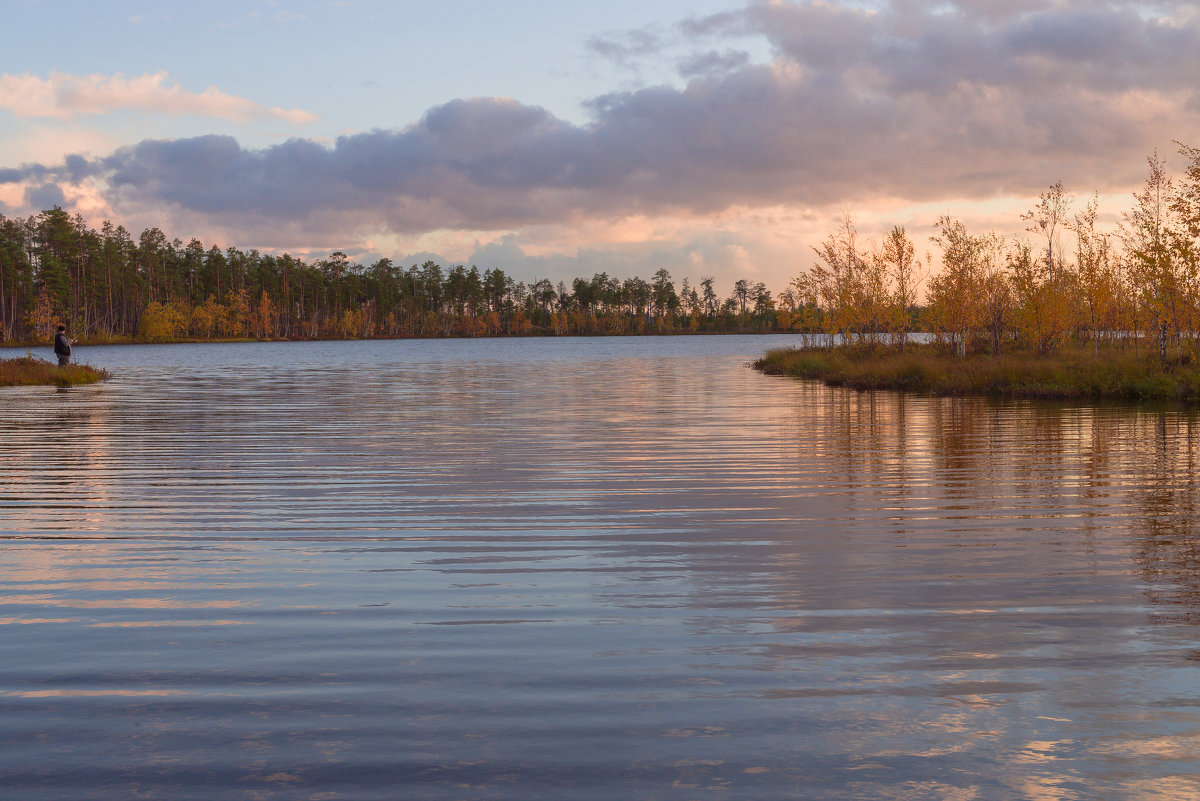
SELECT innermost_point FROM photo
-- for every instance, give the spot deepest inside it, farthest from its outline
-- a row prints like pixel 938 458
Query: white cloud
pixel 64 97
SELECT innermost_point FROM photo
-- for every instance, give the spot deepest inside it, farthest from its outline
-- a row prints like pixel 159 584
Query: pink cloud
pixel 62 96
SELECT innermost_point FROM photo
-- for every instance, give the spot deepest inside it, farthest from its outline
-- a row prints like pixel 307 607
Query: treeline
pixel 106 286
pixel 1068 283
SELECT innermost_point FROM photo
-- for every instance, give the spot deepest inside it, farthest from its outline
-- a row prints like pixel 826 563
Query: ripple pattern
pixel 585 569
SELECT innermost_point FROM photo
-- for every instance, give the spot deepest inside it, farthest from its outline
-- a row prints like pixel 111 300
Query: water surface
pixel 585 569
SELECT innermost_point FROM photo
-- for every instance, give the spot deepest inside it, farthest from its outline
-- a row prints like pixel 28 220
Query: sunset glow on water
pixel 586 569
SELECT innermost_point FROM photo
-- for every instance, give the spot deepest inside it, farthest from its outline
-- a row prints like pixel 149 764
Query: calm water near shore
pixel 586 569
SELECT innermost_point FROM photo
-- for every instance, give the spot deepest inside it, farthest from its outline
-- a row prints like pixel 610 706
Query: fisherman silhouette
pixel 62 346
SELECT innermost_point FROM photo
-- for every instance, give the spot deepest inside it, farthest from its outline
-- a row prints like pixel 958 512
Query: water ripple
pixel 586 569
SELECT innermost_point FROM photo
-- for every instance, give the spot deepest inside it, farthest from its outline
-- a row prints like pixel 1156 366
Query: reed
pixel 32 371
pixel 1114 373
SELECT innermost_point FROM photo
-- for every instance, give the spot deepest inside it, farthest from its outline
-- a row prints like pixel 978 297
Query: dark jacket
pixel 62 345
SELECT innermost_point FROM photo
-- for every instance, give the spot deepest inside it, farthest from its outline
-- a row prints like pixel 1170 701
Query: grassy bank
pixel 31 371
pixel 1113 373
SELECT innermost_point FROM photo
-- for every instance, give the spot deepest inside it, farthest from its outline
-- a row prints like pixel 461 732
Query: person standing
pixel 62 346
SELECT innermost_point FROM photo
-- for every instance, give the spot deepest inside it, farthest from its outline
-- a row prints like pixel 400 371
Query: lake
pixel 625 568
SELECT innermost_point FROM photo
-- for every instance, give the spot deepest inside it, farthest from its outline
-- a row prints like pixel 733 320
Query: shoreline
pixel 1114 373
pixel 85 343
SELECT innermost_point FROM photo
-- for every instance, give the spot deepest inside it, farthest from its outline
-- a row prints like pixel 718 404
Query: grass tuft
pixel 32 371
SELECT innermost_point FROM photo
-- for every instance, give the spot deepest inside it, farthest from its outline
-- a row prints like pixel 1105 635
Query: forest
pixel 107 287
pixel 1068 282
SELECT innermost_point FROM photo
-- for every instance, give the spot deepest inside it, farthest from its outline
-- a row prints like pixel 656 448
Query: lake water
pixel 586 569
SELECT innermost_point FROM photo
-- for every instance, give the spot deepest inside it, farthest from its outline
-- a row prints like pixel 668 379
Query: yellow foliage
pixel 348 325
pixel 162 322
pixel 206 318
pixel 265 317
pixel 558 323
pixel 616 323
pixel 235 320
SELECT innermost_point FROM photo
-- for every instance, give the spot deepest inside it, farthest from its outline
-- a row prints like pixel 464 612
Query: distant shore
pixel 96 342
pixel 1118 373
pixel 32 371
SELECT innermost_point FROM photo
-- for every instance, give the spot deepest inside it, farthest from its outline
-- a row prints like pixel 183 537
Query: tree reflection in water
pixel 586 569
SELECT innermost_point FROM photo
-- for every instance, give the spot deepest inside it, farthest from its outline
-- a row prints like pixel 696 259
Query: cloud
pixel 45 196
pixel 624 47
pixel 62 96
pixel 712 62
pixel 1036 46
pixel 975 100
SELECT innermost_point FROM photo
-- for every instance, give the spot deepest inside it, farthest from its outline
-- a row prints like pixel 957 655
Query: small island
pixel 32 371
pixel 1117 318
pixel 1109 373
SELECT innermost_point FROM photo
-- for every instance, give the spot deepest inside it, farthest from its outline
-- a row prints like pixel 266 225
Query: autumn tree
pixel 956 294
pixel 834 281
pixel 1097 276
pixel 1047 218
pixel 1185 207
pixel 898 258
pixel 1154 236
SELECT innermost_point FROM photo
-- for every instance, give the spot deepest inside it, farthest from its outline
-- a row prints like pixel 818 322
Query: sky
pixel 560 139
